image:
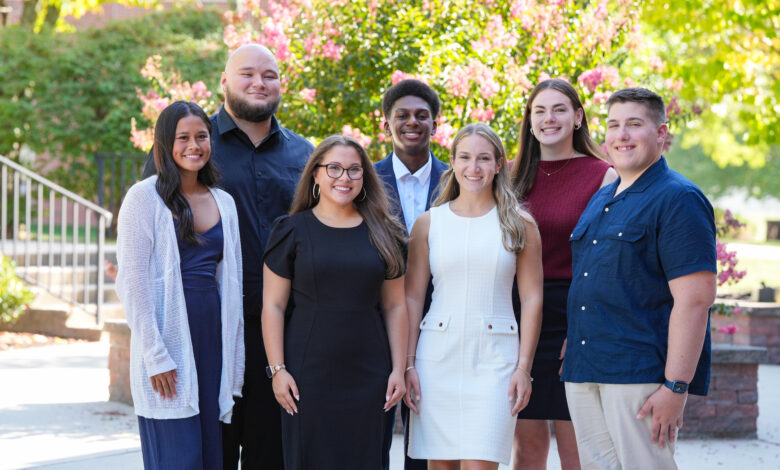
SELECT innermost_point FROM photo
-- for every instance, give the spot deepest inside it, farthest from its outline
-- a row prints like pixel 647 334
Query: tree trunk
pixel 29 13
pixel 52 15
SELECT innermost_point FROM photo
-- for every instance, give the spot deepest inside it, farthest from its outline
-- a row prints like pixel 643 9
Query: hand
pixel 286 391
pixel 562 355
pixel 413 394
pixel 395 389
pixel 165 384
pixel 519 390
pixel 667 409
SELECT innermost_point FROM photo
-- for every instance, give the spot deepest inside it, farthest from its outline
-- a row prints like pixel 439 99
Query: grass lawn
pixel 758 270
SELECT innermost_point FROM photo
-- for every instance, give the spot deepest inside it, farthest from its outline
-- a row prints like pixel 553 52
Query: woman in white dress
pixel 467 373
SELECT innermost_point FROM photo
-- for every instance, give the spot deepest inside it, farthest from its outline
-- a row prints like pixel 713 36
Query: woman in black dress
pixel 336 362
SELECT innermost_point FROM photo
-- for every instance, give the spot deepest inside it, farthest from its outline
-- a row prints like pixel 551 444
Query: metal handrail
pixel 68 290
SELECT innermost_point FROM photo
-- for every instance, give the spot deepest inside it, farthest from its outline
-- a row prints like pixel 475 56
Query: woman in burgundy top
pixel 557 170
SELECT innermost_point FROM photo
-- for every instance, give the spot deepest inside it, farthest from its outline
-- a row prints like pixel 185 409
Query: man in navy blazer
pixel 411 175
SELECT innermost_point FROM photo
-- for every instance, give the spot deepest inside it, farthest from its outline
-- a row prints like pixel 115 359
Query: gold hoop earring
pixel 365 194
pixel 315 191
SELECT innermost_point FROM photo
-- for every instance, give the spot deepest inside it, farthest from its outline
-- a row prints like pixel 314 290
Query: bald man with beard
pixel 261 162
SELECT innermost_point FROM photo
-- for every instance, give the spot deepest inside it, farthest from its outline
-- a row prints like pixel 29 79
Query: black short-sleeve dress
pixel 335 344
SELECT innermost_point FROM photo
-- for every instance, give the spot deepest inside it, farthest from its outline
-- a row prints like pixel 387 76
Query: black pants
pixel 409 463
pixel 255 432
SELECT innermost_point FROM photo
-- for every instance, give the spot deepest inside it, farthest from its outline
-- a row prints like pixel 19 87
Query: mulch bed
pixel 10 340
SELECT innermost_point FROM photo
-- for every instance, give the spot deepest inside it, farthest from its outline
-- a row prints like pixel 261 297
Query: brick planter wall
pixel 731 407
pixel 119 361
pixel 758 325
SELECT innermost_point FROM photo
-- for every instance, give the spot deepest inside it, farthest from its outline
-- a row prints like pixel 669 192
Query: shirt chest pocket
pixel 281 184
pixel 625 250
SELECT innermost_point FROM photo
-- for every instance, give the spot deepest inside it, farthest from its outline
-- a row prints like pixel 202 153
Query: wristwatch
pixel 677 386
pixel 270 371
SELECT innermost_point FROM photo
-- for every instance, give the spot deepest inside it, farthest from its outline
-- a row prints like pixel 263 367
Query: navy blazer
pixel 384 169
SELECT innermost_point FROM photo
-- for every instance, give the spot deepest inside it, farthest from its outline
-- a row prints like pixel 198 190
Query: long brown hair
pixel 168 181
pixel 527 161
pixel 511 214
pixel 385 231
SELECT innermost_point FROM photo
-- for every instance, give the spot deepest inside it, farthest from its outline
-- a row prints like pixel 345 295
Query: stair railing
pixel 40 249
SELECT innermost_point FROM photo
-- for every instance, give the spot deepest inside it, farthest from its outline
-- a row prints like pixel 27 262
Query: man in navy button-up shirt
pixel 644 265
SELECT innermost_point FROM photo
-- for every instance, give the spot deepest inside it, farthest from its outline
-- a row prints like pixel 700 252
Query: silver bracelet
pixel 525 372
pixel 409 368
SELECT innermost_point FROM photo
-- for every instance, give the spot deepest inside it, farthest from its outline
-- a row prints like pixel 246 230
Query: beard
pixel 242 109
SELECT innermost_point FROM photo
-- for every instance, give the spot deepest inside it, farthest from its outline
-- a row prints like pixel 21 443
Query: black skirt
pixel 548 395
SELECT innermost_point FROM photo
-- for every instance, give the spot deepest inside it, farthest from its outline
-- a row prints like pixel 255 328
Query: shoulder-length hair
pixel 168 180
pixel 511 215
pixel 527 161
pixel 385 231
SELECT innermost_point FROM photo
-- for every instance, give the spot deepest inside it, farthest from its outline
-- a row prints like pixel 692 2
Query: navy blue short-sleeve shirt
pixel 625 251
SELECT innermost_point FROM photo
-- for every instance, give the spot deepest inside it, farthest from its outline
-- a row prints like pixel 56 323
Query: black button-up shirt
pixel 625 251
pixel 262 181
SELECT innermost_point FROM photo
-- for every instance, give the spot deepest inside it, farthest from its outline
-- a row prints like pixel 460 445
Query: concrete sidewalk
pixel 54 414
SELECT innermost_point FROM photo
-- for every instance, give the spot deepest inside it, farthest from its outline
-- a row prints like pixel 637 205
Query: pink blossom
pixel 672 108
pixel 332 51
pixel 458 82
pixel 151 69
pixel 199 91
pixel 601 97
pixel 729 329
pixel 673 85
pixel 544 76
pixel 628 82
pixel 696 109
pixel 444 135
pixel 482 114
pixel 355 133
pixel 307 94
pixel 737 310
pixel 656 64
pixel 382 137
pixel 398 76
pixel 591 79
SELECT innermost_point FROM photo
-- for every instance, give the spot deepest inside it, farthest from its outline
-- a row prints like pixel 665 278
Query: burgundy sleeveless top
pixel 556 201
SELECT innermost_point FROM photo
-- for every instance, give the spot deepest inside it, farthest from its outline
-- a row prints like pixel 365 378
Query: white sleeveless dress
pixel 468 345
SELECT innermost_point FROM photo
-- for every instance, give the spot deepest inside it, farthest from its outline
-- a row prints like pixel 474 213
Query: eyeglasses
pixel 335 171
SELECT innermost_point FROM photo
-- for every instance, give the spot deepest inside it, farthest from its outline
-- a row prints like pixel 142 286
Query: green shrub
pixel 14 295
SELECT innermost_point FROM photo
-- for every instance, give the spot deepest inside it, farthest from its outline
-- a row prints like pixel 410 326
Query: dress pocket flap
pixel 626 233
pixel 434 323
pixel 500 326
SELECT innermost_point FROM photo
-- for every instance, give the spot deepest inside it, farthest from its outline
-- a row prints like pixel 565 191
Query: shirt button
pixel 594 242
pixel 620 234
pixel 606 209
pixel 259 173
pixel 585 274
pixel 583 341
pixel 583 307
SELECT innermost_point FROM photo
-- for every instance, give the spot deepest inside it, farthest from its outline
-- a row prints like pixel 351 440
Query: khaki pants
pixel 609 437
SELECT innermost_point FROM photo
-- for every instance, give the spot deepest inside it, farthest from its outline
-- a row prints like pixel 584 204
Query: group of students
pixel 445 287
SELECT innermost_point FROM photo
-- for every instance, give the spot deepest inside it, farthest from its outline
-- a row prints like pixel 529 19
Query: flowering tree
pixel 727 267
pixel 338 56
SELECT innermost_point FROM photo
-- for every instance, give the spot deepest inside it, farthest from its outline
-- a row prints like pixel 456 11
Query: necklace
pixel 559 169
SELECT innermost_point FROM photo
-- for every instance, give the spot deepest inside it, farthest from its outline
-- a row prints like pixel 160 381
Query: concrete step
pixel 77 292
pixel 48 315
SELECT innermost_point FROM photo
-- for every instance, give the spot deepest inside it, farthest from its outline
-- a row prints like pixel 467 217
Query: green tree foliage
pixel 72 95
pixel 14 295
pixel 726 54
pixel 50 14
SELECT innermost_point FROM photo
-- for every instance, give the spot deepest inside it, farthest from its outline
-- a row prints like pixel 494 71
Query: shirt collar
pixel 227 124
pixel 423 175
pixel 647 178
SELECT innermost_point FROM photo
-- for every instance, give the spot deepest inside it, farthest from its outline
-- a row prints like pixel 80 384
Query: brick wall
pixel 119 361
pixel 731 407
pixel 758 325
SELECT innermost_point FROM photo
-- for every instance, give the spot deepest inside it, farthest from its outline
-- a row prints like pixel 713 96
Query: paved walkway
pixel 54 414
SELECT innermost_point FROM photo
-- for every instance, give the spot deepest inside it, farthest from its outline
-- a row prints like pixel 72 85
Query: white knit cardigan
pixel 150 287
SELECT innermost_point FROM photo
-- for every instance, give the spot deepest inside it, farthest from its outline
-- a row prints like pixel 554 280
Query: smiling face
pixel 191 145
pixel 339 191
pixel 553 118
pixel 411 125
pixel 634 139
pixel 251 84
pixel 474 164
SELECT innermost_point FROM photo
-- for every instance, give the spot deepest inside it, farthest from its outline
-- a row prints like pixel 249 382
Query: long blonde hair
pixel 511 214
pixel 385 231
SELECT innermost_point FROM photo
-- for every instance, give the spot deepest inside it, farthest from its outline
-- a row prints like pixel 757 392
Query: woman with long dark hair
pixel 179 279
pixel 557 170
pixel 467 373
pixel 336 363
